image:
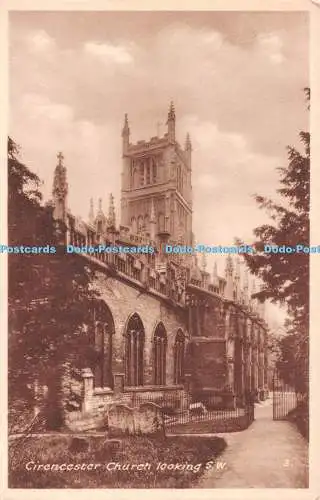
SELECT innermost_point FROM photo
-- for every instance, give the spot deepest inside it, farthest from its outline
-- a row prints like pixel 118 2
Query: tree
pixel 286 276
pixel 50 296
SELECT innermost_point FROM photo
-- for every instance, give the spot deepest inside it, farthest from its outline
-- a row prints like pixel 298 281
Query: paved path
pixel 269 454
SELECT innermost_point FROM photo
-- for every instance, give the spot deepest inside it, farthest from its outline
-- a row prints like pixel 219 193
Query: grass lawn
pixel 182 461
pixel 211 426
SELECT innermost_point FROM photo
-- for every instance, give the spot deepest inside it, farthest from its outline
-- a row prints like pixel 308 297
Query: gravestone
pixel 148 419
pixel 120 420
pixel 79 445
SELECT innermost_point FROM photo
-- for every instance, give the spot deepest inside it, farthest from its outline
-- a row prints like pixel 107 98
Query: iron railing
pixel 183 413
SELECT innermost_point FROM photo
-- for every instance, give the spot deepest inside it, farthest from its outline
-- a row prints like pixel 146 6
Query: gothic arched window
pixel 179 347
pixel 160 354
pixel 161 223
pixel 103 329
pixel 134 347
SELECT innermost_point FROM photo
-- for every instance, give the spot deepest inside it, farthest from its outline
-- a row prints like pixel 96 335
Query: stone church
pixel 164 325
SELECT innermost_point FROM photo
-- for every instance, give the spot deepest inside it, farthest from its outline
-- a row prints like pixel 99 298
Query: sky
pixel 236 79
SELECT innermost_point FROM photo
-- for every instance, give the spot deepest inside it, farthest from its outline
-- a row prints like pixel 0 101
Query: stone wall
pixel 96 403
pixel 123 300
pixel 207 363
pixel 84 421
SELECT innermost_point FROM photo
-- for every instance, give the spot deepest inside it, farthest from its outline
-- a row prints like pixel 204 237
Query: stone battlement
pixel 172 276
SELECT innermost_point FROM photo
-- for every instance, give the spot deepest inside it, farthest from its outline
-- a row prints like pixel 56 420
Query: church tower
pixel 156 193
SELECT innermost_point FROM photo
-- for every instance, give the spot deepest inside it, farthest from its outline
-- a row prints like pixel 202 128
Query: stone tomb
pixel 148 419
pixel 145 419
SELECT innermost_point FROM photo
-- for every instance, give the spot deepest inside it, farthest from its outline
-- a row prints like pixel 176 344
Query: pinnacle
pixel 229 265
pixel 100 211
pixel 188 142
pixel 111 213
pixel 125 129
pixel 91 211
pixel 60 158
pixel 171 114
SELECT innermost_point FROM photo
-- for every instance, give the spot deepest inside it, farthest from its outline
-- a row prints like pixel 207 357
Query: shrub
pixel 300 417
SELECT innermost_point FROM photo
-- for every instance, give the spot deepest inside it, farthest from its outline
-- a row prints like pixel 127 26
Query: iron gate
pixel 284 398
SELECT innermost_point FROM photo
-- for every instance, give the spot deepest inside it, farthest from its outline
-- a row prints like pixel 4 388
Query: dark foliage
pixel 286 276
pixel 50 295
pixel 300 417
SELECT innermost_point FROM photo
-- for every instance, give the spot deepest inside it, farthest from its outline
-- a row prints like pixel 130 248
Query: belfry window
pixel 161 222
pixel 134 347
pixel 142 178
pixel 135 178
pixel 148 173
pixel 154 171
pixel 133 225
pixel 160 354
pixel 179 348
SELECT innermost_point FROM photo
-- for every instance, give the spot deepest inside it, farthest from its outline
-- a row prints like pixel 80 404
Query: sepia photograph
pixel 158 249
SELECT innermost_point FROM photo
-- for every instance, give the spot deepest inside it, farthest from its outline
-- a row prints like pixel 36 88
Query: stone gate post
pixel 87 377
